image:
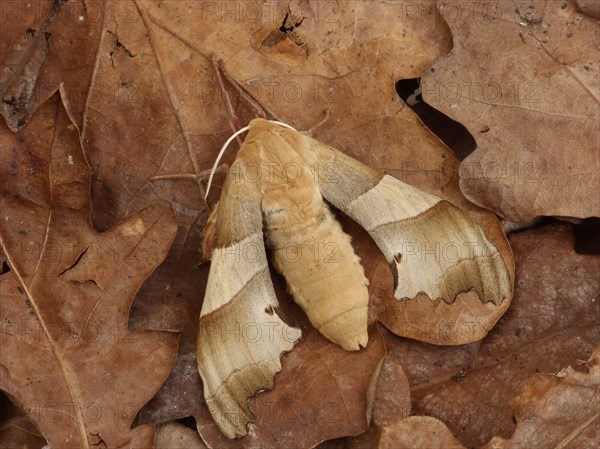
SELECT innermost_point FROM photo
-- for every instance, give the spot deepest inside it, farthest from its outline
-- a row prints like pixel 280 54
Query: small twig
pixel 175 176
pixel 179 176
pixel 200 177
pixel 220 67
pixel 234 121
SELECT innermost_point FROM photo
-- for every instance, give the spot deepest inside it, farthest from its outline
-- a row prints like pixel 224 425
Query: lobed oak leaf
pixel 535 115
pixel 68 358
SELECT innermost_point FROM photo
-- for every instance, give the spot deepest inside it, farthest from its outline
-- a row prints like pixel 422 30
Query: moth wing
pixel 241 335
pixel 432 247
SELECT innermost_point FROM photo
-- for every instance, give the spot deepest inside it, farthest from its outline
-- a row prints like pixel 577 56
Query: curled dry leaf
pixel 390 398
pixel 68 294
pixel 418 432
pixel 557 410
pixel 535 115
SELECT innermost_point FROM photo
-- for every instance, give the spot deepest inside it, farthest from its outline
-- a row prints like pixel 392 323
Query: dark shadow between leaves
pixel 449 131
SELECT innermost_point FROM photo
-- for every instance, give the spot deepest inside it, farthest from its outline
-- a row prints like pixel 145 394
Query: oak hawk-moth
pixel 262 200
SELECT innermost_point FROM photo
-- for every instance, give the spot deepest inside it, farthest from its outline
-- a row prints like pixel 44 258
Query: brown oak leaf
pixel 46 43
pixel 554 320
pixel 558 410
pixel 68 358
pixel 533 113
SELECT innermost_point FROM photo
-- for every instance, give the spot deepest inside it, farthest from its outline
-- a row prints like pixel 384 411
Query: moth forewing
pixel 241 335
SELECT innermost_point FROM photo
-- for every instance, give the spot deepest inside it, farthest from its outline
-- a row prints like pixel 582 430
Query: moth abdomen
pixel 324 276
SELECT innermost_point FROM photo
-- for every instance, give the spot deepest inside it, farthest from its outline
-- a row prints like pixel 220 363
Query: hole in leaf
pixel 449 131
pixel 8 409
pixel 5 268
pixel 188 421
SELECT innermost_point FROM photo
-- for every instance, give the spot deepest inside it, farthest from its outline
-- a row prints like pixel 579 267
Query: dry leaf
pixel 46 43
pixel 16 430
pixel 553 320
pixel 174 435
pixel 146 97
pixel 557 410
pixel 391 395
pixel 535 115
pixel 68 294
pixel 590 7
pixel 418 432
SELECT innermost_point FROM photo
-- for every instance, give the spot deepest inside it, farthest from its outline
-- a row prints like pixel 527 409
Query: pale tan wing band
pixel 231 268
pixel 387 203
pixel 442 264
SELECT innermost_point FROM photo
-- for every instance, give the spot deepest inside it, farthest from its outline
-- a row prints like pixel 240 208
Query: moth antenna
pixel 285 125
pixel 226 144
pixel 221 152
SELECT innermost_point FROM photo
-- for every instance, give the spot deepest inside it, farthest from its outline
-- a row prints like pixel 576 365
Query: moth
pixel 277 192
